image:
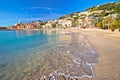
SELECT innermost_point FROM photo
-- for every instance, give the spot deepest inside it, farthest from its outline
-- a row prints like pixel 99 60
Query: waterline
pixel 50 56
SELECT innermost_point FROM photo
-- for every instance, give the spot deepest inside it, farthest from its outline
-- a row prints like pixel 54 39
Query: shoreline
pixel 103 42
pixel 107 44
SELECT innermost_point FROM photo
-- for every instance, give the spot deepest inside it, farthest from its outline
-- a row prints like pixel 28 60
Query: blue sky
pixel 11 11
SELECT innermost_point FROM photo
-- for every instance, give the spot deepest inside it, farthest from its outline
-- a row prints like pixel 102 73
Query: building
pixel 65 23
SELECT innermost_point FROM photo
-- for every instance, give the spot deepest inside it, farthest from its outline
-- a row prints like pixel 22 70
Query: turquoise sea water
pixel 13 41
pixel 17 47
pixel 45 55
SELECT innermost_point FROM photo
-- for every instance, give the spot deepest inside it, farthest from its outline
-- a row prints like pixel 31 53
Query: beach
pixel 107 44
pixel 74 54
pixel 85 54
pixel 100 62
pixel 58 40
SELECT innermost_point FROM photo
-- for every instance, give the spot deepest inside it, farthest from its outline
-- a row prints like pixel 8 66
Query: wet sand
pixel 84 54
pixel 79 54
pixel 72 58
pixel 107 44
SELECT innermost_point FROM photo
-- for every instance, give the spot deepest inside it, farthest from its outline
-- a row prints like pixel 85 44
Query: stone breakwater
pixel 71 59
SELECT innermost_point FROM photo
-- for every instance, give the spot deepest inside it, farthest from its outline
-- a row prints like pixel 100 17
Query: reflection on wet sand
pixel 71 58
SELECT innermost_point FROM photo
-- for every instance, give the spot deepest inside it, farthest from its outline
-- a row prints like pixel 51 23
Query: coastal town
pixel 95 17
pixel 77 45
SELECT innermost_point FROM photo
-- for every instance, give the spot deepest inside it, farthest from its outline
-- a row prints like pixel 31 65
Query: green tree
pixel 106 22
pixel 39 20
pixel 100 25
pixel 118 10
pixel 115 25
pixel 53 25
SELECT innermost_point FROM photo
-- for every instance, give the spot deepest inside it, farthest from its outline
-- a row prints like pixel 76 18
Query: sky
pixel 13 11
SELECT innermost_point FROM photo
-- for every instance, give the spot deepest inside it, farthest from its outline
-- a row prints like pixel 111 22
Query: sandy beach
pixel 77 41
pixel 75 54
pixel 107 44
pixel 60 65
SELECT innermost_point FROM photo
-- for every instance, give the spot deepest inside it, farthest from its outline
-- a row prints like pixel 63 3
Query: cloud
pixel 51 10
pixel 46 8
pixel 31 17
pixel 41 8
pixel 42 17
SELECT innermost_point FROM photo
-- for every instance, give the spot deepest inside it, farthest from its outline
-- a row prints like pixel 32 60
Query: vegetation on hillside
pixel 106 16
pixel 113 7
pixel 115 25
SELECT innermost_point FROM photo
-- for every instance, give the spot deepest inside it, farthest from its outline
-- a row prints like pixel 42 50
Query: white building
pixel 65 23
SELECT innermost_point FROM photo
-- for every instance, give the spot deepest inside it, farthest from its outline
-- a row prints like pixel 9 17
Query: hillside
pixel 114 7
pixel 104 16
pixel 106 9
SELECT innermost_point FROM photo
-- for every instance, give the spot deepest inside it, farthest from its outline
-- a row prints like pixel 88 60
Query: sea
pixel 45 55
